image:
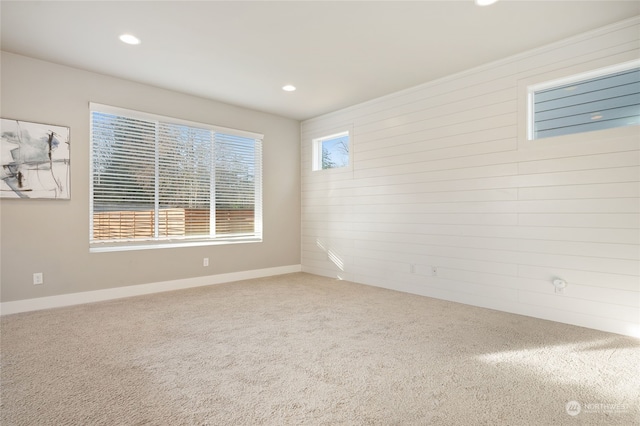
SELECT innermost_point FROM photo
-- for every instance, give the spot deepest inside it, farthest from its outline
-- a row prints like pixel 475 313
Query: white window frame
pixel 575 78
pixel 124 245
pixel 316 156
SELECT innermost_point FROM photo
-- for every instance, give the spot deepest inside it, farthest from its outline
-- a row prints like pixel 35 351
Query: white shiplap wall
pixel 443 176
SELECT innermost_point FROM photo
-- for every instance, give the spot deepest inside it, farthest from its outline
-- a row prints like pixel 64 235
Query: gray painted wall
pixel 53 236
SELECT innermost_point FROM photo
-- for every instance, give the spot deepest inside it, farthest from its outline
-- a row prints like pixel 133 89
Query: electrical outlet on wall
pixel 38 278
pixel 205 261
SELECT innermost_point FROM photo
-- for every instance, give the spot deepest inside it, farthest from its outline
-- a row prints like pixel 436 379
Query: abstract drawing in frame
pixel 34 160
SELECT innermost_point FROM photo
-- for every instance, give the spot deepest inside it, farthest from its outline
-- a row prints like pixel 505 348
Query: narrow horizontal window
pixel 159 182
pixel 608 100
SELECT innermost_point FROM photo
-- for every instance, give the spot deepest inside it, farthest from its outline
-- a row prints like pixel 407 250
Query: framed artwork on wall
pixel 34 160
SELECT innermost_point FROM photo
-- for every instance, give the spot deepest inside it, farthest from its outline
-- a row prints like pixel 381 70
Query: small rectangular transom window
pixel 331 152
pixel 596 101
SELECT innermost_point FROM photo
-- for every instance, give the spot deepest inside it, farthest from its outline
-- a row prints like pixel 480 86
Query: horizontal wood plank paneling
pixel 584 162
pixel 629 221
pixel 568 192
pixel 586 278
pixel 443 176
pixel 417 144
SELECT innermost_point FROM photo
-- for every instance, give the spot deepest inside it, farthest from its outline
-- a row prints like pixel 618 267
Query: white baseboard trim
pixel 49 302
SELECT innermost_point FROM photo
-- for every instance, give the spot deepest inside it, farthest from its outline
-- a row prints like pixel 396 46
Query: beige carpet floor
pixel 300 349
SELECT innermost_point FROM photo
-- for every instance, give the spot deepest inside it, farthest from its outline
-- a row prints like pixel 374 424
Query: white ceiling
pixel 337 53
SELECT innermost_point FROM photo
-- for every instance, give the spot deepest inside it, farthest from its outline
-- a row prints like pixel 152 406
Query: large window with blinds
pixel 602 100
pixel 159 181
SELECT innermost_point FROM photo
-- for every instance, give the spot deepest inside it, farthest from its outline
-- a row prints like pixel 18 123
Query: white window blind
pixel 158 181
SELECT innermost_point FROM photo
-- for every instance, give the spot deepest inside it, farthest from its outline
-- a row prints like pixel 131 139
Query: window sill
pixel 148 245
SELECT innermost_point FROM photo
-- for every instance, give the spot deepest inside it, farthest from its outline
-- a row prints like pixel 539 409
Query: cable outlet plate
pixel 559 285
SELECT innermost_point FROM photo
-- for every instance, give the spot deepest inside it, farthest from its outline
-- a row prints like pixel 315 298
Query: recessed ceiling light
pixel 289 88
pixel 129 39
pixel 485 2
